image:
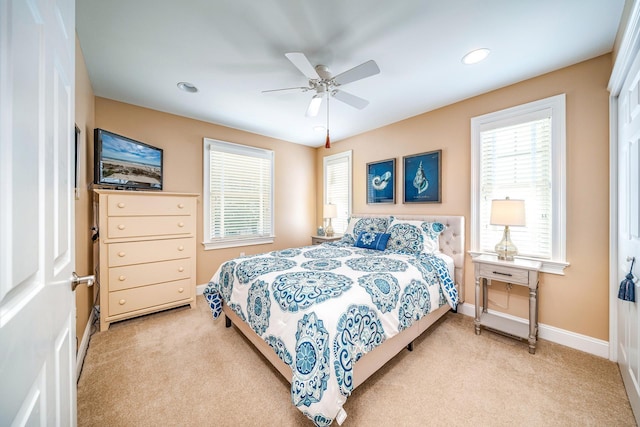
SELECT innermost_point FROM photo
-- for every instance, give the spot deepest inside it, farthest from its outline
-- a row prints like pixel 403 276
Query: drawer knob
pixel 122 302
pixel 181 269
pixel 121 254
pixel 122 278
pixel 180 205
pixel 121 227
pixel 181 248
pixel 181 290
pixel 181 224
pixel 121 205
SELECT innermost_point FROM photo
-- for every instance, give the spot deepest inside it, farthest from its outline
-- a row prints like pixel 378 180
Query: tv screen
pixel 122 162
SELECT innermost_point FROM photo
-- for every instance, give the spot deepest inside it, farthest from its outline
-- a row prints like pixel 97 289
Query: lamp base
pixel 329 230
pixel 505 248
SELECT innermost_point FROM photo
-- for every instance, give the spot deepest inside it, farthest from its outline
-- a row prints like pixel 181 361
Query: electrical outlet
pixel 241 253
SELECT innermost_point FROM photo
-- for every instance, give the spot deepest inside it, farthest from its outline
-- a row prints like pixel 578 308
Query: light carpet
pixel 181 368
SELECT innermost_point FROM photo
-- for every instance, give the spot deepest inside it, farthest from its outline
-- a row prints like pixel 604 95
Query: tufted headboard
pixel 451 240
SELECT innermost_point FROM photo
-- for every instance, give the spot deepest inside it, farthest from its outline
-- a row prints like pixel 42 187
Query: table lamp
pixel 507 212
pixel 329 211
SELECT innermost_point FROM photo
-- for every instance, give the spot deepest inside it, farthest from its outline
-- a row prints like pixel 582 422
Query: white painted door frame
pixel 627 55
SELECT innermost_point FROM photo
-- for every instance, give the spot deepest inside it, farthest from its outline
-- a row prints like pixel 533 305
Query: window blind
pixel 240 192
pixel 337 173
pixel 515 162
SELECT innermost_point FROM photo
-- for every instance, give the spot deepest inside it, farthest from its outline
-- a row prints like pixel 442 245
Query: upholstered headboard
pixel 451 240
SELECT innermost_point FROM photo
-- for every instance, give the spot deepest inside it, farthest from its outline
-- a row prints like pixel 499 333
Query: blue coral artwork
pixel 381 181
pixel 422 177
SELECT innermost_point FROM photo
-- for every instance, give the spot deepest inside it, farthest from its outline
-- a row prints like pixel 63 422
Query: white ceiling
pixel 137 51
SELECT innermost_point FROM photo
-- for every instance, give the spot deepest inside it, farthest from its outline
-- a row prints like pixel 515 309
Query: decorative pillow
pixel 358 224
pixel 370 240
pixel 414 236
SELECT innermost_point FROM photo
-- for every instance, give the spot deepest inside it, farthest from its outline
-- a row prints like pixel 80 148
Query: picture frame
pixel 381 181
pixel 422 181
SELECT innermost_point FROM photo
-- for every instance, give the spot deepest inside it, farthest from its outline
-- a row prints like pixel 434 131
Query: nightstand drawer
pixel 505 274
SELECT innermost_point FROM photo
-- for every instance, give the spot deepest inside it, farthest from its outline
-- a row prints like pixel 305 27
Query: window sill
pixel 548 266
pixel 237 243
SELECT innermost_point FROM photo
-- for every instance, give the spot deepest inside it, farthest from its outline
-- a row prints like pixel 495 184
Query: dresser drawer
pixel 141 226
pixel 134 205
pixel 132 276
pixel 128 253
pixel 504 274
pixel 148 296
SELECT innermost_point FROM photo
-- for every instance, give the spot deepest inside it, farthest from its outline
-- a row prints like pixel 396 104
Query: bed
pixel 328 316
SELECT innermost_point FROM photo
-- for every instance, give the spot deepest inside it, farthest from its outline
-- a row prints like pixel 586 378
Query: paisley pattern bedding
pixel 321 308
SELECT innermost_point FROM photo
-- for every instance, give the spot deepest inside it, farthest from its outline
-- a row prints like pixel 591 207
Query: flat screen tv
pixel 122 162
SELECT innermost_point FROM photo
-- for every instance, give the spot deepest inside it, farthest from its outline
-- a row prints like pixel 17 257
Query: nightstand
pixel 316 240
pixel 518 272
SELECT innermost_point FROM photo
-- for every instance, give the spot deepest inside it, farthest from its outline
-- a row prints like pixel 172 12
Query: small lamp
pixel 329 211
pixel 507 212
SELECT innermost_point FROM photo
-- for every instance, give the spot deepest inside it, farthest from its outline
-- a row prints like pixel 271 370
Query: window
pixel 238 195
pixel 520 153
pixel 337 187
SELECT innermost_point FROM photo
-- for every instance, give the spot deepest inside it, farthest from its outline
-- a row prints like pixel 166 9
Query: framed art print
pixel 423 177
pixel 381 181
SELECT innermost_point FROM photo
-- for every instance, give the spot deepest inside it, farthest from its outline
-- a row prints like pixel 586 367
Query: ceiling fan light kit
pixel 326 85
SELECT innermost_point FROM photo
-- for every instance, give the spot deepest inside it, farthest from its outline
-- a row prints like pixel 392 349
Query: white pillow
pixel 378 224
pixel 410 236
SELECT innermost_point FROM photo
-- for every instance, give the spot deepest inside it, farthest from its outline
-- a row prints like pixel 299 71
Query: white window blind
pixel 239 194
pixel 520 153
pixel 516 163
pixel 337 187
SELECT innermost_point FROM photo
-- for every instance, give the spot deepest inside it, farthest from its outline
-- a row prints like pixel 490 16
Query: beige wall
pixel 84 118
pixel 181 139
pixel 577 301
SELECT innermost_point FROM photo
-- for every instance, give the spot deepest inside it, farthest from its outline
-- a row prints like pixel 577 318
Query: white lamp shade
pixel 330 211
pixel 507 212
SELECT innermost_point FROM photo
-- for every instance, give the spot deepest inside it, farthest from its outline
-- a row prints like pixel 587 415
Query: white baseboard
pixel 200 289
pixel 570 339
pixel 84 345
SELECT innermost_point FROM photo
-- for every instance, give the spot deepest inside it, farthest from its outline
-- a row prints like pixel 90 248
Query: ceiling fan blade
pixel 314 106
pixel 347 98
pixel 302 88
pixel 364 70
pixel 302 63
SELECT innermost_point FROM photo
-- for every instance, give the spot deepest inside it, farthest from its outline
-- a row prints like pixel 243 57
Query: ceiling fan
pixel 324 84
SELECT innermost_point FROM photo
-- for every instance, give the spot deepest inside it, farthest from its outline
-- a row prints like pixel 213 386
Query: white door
pixel 628 314
pixel 37 306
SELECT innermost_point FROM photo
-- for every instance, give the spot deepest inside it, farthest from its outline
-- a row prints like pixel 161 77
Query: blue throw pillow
pixel 371 240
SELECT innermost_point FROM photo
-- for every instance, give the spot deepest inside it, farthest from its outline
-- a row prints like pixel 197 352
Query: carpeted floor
pixel 182 368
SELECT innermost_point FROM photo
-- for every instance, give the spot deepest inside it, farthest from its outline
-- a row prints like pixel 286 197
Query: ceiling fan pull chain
pixel 327 143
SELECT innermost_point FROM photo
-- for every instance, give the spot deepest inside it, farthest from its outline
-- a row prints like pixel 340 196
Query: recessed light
pixel 187 87
pixel 476 56
pixel 319 128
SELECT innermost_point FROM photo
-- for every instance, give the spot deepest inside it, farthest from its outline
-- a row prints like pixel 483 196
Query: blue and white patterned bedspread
pixel 321 308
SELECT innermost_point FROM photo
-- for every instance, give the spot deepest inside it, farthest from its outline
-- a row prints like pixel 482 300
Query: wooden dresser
pixel 147 252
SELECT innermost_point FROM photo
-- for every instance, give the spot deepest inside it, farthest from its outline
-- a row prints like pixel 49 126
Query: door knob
pixel 76 280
